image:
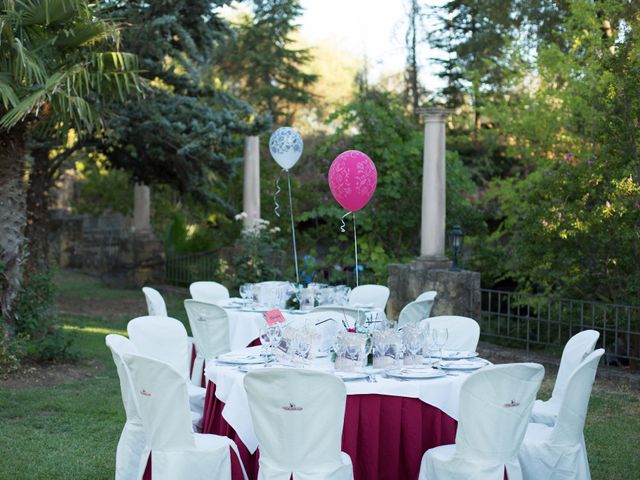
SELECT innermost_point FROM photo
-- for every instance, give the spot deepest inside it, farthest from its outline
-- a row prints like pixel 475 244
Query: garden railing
pixel 538 321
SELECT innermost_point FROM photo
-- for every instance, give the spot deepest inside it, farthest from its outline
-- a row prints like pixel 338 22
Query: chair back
pixel 464 332
pixel 210 292
pixel 156 305
pixel 575 402
pixel 161 392
pixel 120 345
pixel 375 295
pixel 161 338
pixel 210 326
pixel 429 295
pixel 415 311
pixel 575 351
pixel 297 416
pixel 343 314
pixel 325 322
pixel 495 405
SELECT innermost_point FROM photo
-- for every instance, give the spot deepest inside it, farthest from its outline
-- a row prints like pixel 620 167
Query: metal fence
pixel 537 321
pixel 186 269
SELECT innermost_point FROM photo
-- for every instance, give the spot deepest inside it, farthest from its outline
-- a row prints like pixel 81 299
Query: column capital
pixel 435 114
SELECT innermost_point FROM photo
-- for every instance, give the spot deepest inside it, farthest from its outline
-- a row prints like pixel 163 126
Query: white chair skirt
pixel 542 460
pixel 441 463
pixel 342 472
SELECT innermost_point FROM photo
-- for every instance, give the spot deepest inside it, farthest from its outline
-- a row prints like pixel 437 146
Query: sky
pixel 371 28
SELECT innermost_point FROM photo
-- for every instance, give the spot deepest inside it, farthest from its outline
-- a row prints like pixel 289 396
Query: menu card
pixel 274 316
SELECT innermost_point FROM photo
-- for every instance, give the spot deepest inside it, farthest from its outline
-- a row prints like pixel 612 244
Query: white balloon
pixel 285 146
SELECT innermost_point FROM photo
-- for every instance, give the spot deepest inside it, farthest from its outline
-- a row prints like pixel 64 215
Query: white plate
pixel 322 354
pixel 350 376
pixel 456 355
pixel 239 359
pixel 464 364
pixel 294 312
pixel 416 374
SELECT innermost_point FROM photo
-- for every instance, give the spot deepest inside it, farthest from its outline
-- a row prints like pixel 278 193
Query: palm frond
pixel 7 93
pixel 50 12
pixel 81 35
pixel 28 66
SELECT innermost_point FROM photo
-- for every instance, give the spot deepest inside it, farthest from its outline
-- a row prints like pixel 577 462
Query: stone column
pixel 141 208
pixel 432 231
pixel 251 185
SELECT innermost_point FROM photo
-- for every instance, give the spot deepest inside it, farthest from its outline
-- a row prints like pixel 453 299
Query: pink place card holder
pixel 274 316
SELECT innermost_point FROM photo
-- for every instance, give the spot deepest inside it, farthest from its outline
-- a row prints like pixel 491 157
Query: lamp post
pixel 456 240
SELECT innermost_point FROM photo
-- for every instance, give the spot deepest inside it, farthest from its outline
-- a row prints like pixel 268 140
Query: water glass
pixel 439 337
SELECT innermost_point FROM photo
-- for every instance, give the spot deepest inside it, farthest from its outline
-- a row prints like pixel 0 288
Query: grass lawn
pixel 70 430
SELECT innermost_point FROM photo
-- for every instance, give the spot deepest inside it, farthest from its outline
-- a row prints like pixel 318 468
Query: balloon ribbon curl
pixel 276 208
pixel 343 229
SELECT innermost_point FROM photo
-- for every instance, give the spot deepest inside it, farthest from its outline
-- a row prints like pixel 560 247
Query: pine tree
pixel 185 132
pixel 264 67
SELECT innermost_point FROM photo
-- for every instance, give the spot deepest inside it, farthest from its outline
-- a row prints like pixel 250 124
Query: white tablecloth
pixel 442 393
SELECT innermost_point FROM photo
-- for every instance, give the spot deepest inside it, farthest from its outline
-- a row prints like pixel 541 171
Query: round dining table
pixel 389 422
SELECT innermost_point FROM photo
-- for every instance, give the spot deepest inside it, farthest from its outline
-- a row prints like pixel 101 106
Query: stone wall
pixel 458 292
pixel 106 246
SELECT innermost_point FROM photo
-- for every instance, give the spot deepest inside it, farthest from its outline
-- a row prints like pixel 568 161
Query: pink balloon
pixel 353 179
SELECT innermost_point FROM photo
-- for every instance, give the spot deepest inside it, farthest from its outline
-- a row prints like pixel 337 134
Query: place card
pixel 273 317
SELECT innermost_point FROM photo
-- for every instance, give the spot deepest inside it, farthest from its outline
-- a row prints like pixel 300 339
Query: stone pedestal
pixel 458 292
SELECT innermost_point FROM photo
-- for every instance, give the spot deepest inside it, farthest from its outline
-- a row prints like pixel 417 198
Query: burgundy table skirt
pixel 385 436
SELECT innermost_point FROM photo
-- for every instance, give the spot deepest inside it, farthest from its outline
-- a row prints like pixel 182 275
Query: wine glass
pixel 266 341
pixel 439 337
pixel 303 348
pixel 414 344
pixel 246 291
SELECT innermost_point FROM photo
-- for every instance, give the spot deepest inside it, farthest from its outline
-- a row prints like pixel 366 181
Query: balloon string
pixel 343 227
pixel 276 208
pixel 293 230
pixel 355 247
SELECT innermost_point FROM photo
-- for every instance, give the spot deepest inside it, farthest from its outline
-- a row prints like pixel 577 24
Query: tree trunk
pixel 37 230
pixel 12 218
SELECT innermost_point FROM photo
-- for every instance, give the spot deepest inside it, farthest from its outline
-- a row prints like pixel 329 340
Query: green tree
pixel 55 57
pixel 571 223
pixel 265 68
pixel 187 131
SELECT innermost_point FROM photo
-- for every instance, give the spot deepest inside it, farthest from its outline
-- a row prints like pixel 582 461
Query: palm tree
pixel 57 58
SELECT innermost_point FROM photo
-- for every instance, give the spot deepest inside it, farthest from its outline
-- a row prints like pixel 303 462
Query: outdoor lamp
pixel 456 239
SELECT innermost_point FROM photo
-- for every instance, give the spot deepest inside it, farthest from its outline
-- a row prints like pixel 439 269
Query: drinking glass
pixel 266 341
pixel 303 347
pixel 246 291
pixel 439 336
pixel 414 344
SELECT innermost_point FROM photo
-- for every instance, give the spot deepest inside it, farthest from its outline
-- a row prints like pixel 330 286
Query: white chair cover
pixel 375 295
pixel 575 351
pixel 558 452
pixel 131 454
pixel 429 295
pixel 324 322
pixel 343 314
pixel 210 292
pixel 298 417
pixel 210 326
pixel 165 339
pixel 495 404
pixel 464 332
pixel 417 310
pixel 156 305
pixel 177 452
